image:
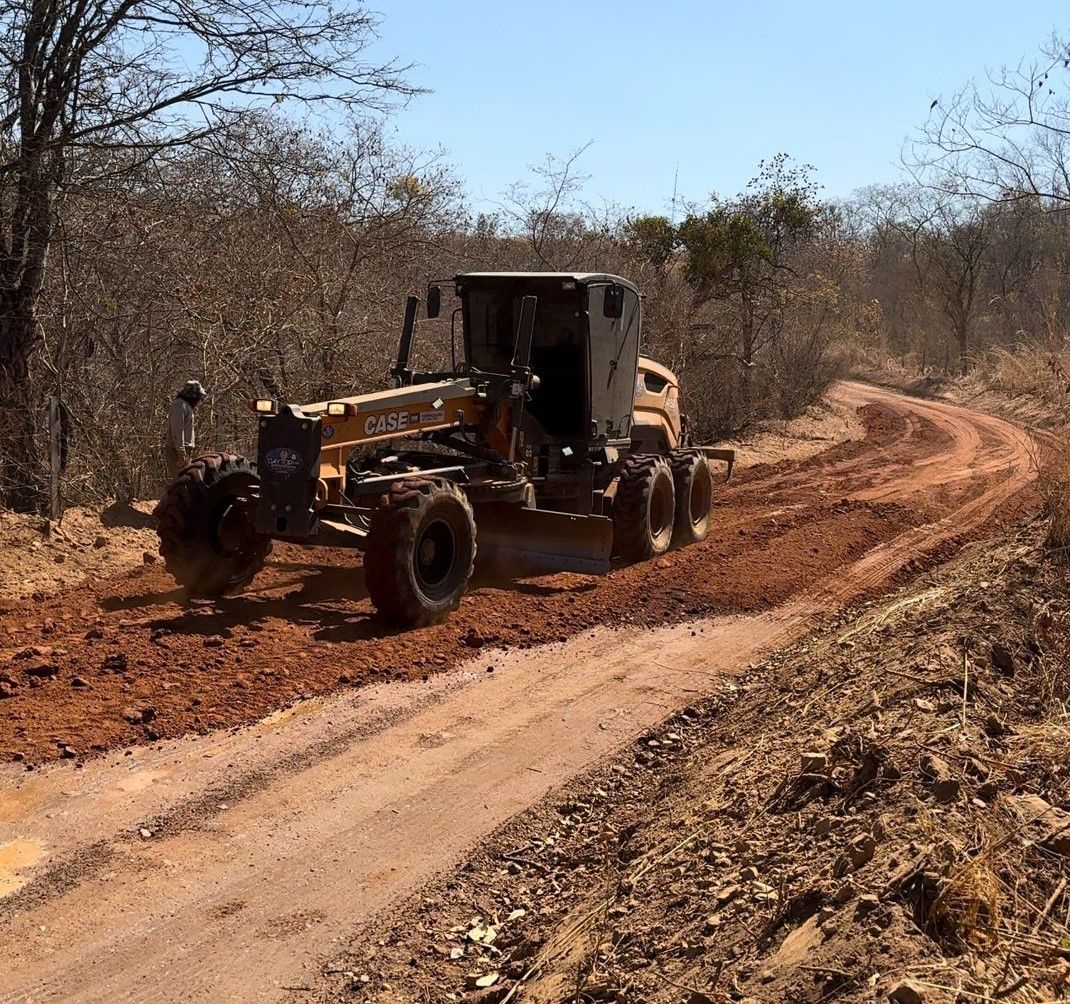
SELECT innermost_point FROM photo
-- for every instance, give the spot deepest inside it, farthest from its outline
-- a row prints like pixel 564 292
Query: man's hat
pixel 193 388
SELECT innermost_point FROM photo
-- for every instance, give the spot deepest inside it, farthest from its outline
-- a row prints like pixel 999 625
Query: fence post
pixel 55 455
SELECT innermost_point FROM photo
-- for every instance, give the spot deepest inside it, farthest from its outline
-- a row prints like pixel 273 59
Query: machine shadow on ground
pixel 122 514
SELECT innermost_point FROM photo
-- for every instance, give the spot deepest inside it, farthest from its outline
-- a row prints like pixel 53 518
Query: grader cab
pixel 549 445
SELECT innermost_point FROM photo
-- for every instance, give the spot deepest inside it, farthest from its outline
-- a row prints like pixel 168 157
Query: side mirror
pixel 613 304
pixel 434 301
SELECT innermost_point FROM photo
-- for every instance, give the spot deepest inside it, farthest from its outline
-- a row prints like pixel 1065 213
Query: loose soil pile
pixel 39 557
pixel 820 427
pixel 882 813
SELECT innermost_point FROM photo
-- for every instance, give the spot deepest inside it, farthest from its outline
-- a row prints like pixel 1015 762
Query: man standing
pixel 180 439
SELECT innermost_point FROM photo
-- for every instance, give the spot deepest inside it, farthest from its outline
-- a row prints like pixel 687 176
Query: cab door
pixel 613 353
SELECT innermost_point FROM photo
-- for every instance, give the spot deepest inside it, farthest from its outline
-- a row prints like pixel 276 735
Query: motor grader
pixel 551 445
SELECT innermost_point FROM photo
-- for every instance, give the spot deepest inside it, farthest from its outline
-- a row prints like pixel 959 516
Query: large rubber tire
pixel 694 496
pixel 421 551
pixel 643 508
pixel 205 526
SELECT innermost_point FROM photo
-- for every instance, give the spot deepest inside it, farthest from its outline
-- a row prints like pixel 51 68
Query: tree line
pixel 159 223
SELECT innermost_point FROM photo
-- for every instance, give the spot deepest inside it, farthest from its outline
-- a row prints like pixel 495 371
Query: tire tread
pixel 178 526
pixel 631 532
pixel 393 528
pixel 684 464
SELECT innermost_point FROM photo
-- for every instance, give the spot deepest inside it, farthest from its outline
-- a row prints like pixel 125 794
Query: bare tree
pixel 95 87
pixel 947 241
pixel 562 230
pixel 1004 140
pixel 270 258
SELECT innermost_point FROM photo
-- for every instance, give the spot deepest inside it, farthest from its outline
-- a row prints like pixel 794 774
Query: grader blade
pixel 513 542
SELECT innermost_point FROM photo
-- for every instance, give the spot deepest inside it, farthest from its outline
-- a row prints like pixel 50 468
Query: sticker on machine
pixel 282 461
pixel 432 416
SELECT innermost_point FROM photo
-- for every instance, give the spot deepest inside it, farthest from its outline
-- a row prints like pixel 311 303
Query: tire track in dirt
pixel 266 843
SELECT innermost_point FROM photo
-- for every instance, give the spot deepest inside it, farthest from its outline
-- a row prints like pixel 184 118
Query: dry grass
pixel 1025 375
pixel 958 895
pixel 968 909
pixel 877 366
pixel 1027 383
pixel 1043 743
pixel 1055 483
pixel 1051 636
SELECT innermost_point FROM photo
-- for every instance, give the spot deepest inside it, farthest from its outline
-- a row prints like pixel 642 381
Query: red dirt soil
pixel 126 660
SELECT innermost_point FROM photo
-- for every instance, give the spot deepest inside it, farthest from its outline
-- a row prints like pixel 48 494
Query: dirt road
pixel 225 867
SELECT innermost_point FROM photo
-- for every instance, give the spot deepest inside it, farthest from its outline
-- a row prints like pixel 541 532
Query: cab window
pixel 653 383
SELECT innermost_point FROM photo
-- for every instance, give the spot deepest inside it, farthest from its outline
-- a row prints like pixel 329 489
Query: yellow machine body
pixel 656 418
pixel 391 414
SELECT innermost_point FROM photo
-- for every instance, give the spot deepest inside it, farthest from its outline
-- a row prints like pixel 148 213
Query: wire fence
pixel 55 455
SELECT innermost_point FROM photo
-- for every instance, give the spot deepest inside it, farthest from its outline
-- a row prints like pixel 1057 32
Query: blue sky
pixel 714 86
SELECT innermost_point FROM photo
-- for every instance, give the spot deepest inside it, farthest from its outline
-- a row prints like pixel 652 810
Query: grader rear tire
pixel 205 526
pixel 694 496
pixel 644 508
pixel 421 551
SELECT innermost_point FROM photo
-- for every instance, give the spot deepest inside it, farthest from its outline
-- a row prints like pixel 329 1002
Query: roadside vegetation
pixel 1055 483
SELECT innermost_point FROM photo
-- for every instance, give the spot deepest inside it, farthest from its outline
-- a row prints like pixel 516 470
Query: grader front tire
pixel 421 552
pixel 205 526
